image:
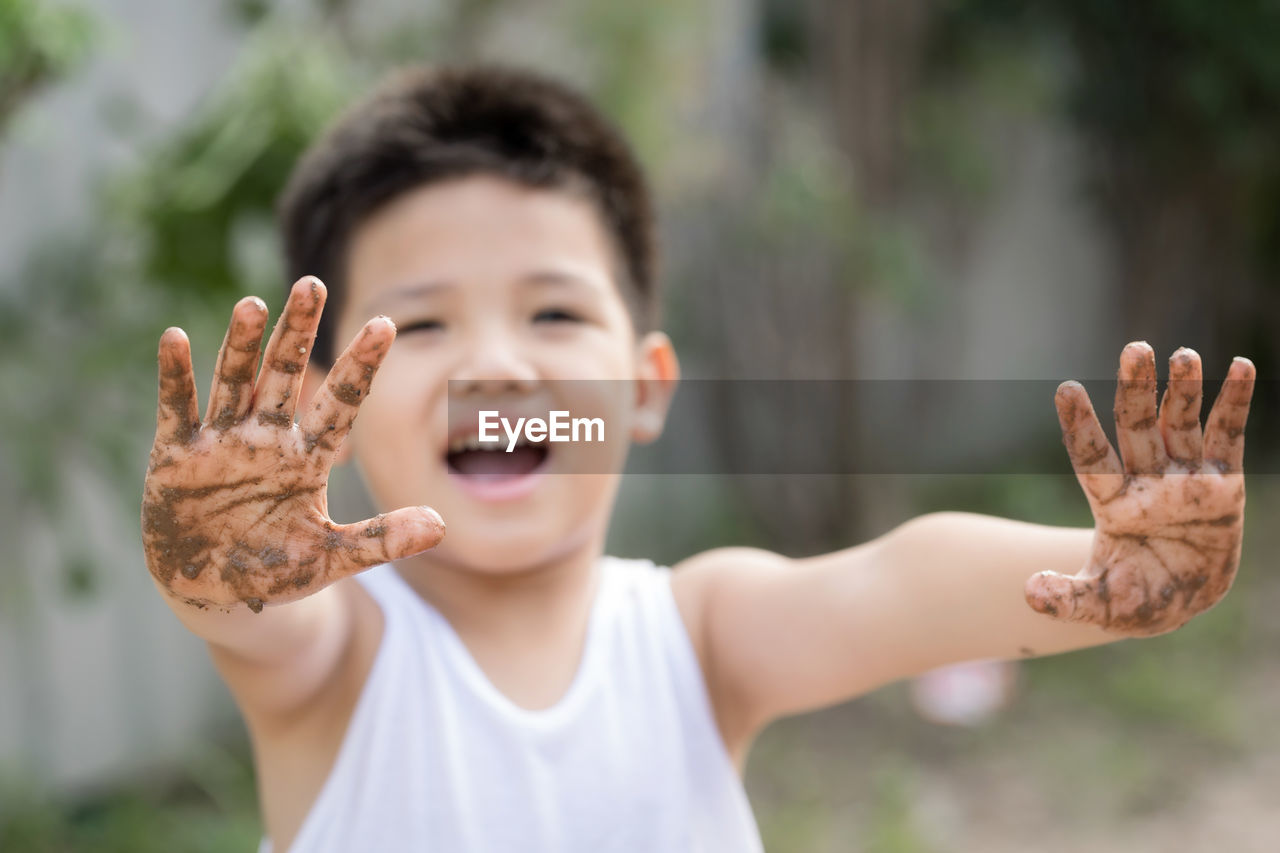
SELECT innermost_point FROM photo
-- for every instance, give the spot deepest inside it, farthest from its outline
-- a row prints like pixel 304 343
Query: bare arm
pixel 235 520
pixel 779 636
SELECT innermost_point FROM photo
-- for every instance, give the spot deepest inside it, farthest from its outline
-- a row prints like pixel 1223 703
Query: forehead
pixel 477 228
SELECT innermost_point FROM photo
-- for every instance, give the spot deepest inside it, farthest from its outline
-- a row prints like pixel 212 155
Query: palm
pixel 1169 510
pixel 234 507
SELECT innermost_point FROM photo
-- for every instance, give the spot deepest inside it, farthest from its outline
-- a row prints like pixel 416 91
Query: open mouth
pixel 468 457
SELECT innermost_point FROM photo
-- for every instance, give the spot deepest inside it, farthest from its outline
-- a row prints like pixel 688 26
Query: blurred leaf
pixel 219 174
pixel 79 578
pixel 39 42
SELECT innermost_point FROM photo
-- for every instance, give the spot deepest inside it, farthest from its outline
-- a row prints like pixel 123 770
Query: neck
pixel 513 604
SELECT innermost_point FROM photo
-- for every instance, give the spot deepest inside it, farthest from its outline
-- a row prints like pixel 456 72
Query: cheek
pixel 586 352
pixel 393 407
pixel 607 399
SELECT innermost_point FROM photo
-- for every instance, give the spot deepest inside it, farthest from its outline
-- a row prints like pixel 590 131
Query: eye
pixel 423 325
pixel 556 315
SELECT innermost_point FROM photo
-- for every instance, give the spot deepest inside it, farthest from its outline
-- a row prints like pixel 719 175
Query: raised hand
pixel 1168 511
pixel 234 507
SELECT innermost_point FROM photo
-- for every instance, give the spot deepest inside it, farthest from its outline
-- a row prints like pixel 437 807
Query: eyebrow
pixel 558 277
pixel 418 290
pixel 406 293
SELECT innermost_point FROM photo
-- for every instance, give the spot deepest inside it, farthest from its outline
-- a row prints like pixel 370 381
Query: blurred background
pixel 887 189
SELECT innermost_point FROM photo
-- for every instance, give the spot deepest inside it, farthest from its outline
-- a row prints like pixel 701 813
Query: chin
pixel 501 552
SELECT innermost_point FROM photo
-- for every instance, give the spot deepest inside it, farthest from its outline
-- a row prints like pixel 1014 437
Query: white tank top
pixel 435 758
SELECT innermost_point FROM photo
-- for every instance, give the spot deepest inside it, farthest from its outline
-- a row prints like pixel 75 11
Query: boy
pixel 508 687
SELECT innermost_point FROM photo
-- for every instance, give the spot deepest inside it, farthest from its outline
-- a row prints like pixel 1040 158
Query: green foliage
pixel 80 411
pixel 1178 79
pixel 1178 102
pixel 1172 78
pixel 203 205
pixel 1182 683
pixel 1038 498
pixel 1187 89
pixel 891 823
pixel 797 824
pixel 639 53
pixel 39 43
pixel 784 37
pixel 949 122
pixel 173 241
pixel 209 807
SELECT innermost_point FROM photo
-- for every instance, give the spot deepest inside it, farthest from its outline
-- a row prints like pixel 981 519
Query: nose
pixel 494 364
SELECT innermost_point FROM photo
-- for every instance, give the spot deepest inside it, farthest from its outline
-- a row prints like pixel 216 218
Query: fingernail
pixel 173 335
pixel 434 515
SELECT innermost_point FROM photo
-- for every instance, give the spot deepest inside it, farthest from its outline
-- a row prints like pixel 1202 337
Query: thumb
pixel 1063 597
pixel 383 538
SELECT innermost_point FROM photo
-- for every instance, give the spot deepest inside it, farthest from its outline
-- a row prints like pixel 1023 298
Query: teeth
pixel 473 442
pixel 468 442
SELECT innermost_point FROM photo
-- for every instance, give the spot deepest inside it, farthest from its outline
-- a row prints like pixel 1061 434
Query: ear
pixel 312 378
pixel 657 375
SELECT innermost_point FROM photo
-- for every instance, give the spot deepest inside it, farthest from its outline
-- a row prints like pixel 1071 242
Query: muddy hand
pixel 1168 510
pixel 234 506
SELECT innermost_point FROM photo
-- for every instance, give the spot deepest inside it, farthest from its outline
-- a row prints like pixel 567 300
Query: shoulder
pixel 709 589
pixel 704 578
pixel 707 580
pixel 718 561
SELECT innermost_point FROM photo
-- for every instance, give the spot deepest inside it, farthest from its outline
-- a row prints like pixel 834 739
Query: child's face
pixel 504 289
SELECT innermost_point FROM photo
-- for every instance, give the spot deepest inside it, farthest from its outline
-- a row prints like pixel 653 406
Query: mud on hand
pixel 1168 510
pixel 235 506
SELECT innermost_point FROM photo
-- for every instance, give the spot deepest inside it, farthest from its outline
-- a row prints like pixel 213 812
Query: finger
pixel 1180 408
pixel 1066 598
pixel 232 391
pixel 334 408
pixel 1224 430
pixel 285 358
pixel 381 539
pixel 177 418
pixel 1116 600
pixel 1095 462
pixel 1137 434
